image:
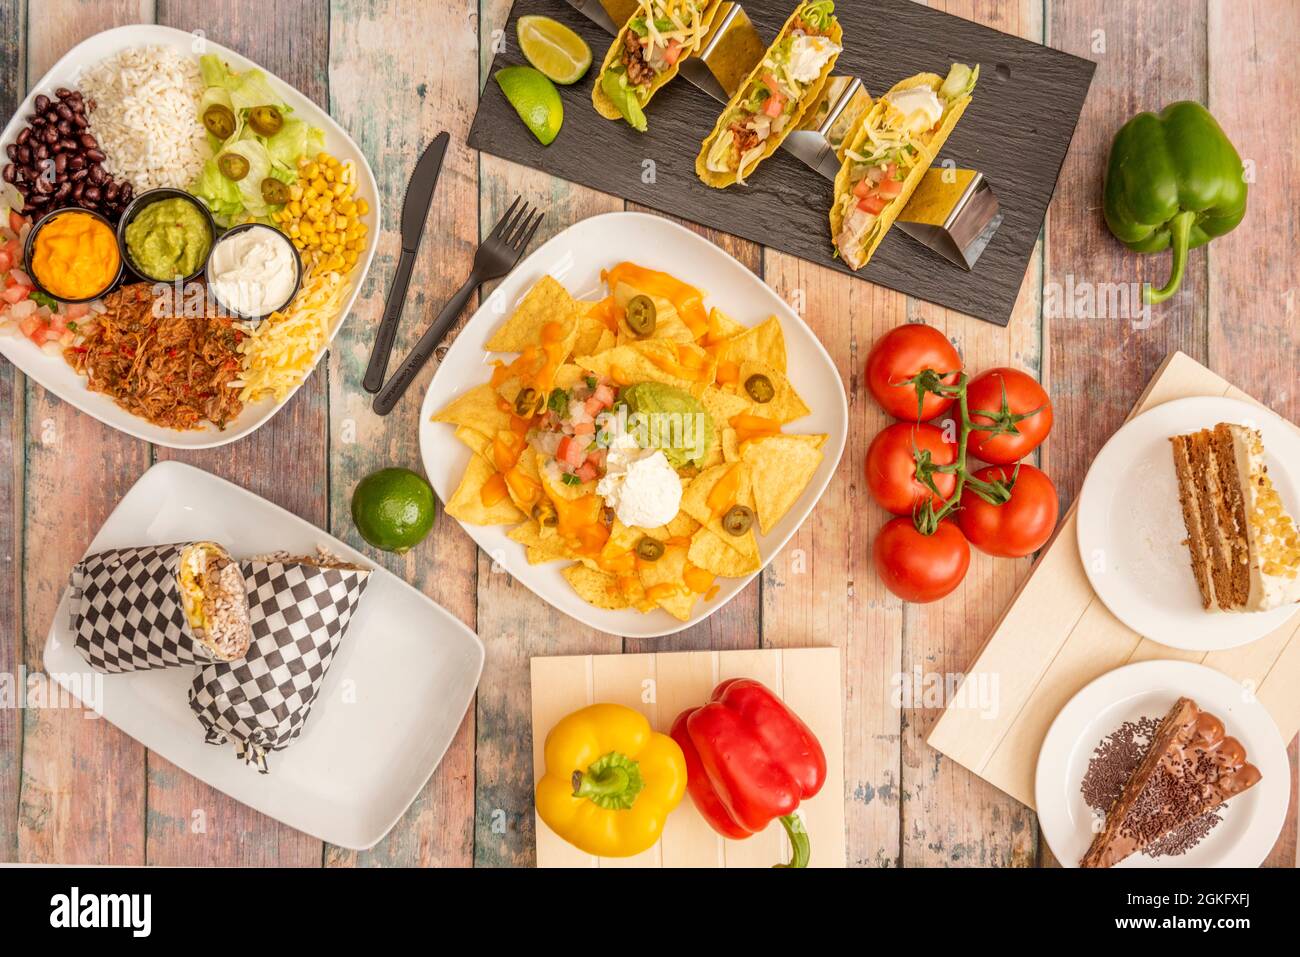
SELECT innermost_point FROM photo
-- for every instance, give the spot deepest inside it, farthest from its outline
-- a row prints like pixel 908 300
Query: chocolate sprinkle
pixel 1113 762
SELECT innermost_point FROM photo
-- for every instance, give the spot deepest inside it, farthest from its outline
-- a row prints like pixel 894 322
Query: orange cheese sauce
pixel 723 494
pixel 75 256
pixel 754 427
pixel 687 300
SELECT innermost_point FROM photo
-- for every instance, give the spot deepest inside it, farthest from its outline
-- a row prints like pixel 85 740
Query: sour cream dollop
pixel 639 484
pixel 807 57
pixel 920 105
pixel 253 271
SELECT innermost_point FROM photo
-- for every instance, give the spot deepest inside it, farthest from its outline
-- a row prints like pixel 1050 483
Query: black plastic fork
pixel 498 254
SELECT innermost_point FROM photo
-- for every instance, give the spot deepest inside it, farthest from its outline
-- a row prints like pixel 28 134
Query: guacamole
pixel 168 239
pixel 667 418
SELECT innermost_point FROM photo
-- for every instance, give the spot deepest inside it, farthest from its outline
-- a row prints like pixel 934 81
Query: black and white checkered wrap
pixel 299 613
pixel 127 613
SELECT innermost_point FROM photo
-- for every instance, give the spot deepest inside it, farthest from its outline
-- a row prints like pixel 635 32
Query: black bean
pixel 68 145
pixel 64 127
pixel 36 119
pixel 24 154
pixel 24 134
pixel 79 121
pixel 64 111
pixel 89 141
pixel 42 103
pixel 76 161
pixel 78 190
pixel 92 193
pixel 10 173
pixel 63 93
pixel 60 164
pixel 97 175
pixel 64 189
pixel 11 151
pixel 41 152
pixel 50 135
pixel 110 192
pixel 77 175
pixel 125 195
pixel 43 185
pixel 95 155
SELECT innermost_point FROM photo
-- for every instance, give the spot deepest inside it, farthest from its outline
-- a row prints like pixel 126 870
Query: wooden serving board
pixel 661 686
pixel 1057 636
pixel 1016 131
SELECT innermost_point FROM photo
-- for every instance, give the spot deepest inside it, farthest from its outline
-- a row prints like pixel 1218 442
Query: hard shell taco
pixel 887 153
pixel 772 101
pixel 647 53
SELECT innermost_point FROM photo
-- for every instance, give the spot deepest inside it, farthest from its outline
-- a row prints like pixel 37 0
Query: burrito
pixel 773 99
pixel 647 53
pixel 887 154
pixel 299 610
pixel 159 606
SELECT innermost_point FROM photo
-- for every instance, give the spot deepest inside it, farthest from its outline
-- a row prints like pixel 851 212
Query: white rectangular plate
pixel 389 707
pixel 55 374
pixel 576 257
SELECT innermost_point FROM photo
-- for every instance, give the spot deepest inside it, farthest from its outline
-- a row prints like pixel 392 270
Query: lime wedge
pixel 554 49
pixel 534 98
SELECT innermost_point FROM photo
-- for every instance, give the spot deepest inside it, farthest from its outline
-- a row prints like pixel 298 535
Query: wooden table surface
pixel 394 73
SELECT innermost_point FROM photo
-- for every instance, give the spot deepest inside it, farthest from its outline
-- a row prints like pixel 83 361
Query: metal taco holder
pixel 955 223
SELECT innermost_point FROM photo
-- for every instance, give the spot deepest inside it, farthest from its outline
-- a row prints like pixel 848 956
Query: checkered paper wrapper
pixel 299 610
pixel 127 613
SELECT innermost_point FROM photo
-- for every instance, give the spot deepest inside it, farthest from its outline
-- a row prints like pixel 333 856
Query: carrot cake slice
pixel 1244 547
pixel 1191 768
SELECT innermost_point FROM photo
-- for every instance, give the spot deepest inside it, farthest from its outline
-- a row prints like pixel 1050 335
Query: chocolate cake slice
pixel 1191 769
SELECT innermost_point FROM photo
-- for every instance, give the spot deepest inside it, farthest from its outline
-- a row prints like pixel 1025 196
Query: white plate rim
pixel 339 548
pixel 26 357
pixel 1237 628
pixel 621 621
pixel 1071 723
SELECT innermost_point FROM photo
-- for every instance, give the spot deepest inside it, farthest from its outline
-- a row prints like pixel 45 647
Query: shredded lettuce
pixel 960 81
pixel 819 15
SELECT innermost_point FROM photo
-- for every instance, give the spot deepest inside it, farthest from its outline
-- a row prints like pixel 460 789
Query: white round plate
pixel 1251 821
pixel 1131 527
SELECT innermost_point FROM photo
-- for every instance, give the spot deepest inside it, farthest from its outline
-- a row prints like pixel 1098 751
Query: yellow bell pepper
pixel 610 781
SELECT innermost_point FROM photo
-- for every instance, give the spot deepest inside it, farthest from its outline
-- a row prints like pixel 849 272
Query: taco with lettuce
pixel 887 153
pixel 773 99
pixel 647 53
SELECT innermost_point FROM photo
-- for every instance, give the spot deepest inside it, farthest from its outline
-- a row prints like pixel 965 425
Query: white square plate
pixel 576 257
pixel 390 704
pixel 56 375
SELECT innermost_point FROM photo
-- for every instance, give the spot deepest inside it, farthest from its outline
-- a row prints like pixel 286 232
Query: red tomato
pixel 891 467
pixel 900 354
pixel 890 188
pixel 1019 526
pixel 5 261
pixel 16 221
pixel 871 203
pixel 672 51
pixel 1024 395
pixel 862 188
pixel 918 567
pixel 15 293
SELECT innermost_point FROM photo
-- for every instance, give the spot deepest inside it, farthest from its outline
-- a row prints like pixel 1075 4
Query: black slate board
pixel 1016 130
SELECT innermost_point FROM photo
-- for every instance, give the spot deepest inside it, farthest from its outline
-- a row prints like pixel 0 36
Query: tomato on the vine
pixel 902 353
pixel 918 567
pixel 892 469
pixel 1026 408
pixel 1021 525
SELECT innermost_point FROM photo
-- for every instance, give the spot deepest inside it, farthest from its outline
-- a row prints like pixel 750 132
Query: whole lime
pixel 393 509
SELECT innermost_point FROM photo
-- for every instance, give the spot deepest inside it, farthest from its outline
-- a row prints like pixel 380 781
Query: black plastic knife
pixel 415 210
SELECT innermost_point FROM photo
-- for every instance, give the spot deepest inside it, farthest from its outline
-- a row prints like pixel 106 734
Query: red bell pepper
pixel 750 759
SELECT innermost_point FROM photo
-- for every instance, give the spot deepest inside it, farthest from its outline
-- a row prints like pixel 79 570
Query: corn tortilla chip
pixel 711 553
pixel 782 466
pixel 785 404
pixel 477 409
pixel 466 502
pixel 595 587
pixel 547 301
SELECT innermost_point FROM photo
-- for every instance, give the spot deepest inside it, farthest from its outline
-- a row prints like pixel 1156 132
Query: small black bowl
pixel 30 246
pixel 297 263
pixel 148 199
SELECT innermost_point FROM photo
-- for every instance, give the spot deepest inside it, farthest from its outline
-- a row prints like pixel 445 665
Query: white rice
pixel 146 116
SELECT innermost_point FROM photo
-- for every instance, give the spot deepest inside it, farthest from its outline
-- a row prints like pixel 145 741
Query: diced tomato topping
pixel 15 293
pixel 862 188
pixel 774 105
pixel 29 326
pixel 871 204
pixel 889 189
pixel 584 428
pixel 605 393
pixel 5 261
pixel 16 221
pixel 571 451
pixel 14 250
pixel 593 406
pixel 587 472
pixel 77 310
pixel 673 51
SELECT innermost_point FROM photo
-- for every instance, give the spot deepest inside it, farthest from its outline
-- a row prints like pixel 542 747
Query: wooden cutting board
pixel 661 686
pixel 1057 636
pixel 1016 131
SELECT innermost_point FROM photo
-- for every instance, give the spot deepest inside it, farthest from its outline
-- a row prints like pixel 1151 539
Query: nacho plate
pixel 575 258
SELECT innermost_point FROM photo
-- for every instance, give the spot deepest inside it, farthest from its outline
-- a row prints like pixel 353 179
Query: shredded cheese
pixel 281 351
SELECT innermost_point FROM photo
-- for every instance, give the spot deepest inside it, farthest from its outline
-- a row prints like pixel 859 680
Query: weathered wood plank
pixel 82 797
pixel 950 817
pixel 1147 55
pixel 13 65
pixel 1254 336
pixel 389 46
pixel 188 821
pixel 513 622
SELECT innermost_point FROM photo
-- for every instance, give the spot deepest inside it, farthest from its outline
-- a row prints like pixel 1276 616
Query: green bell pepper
pixel 1173 179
